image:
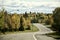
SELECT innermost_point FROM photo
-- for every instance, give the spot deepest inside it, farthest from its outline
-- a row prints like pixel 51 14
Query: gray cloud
pixel 27 5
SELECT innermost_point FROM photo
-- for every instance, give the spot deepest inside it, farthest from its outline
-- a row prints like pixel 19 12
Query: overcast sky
pixel 21 6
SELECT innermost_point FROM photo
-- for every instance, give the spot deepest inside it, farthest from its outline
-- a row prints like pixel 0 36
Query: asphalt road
pixel 30 36
pixel 43 30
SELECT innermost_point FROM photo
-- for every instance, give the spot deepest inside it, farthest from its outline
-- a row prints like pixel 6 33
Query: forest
pixel 21 22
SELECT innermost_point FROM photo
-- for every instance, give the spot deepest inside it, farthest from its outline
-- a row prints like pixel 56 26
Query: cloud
pixel 32 5
pixel 41 0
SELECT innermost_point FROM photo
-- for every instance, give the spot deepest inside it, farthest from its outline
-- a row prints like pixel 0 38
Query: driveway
pixel 30 36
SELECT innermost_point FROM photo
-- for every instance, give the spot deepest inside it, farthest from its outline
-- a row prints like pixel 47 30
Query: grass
pixel 33 29
pixel 55 35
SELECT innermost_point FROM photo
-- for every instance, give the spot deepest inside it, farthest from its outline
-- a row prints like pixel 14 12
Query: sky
pixel 21 6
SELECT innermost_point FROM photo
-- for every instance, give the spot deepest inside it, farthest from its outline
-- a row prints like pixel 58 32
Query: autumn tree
pixel 15 19
pixel 2 27
pixel 49 21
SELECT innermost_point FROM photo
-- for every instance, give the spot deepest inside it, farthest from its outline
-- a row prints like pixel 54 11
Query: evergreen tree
pixel 21 24
pixel 56 18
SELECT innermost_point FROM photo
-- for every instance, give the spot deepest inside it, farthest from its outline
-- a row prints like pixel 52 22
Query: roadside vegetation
pixel 33 29
pixel 55 35
pixel 15 22
pixel 22 22
pixel 55 26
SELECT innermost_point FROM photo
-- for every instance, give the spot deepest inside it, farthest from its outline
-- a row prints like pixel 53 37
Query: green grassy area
pixel 33 29
pixel 55 35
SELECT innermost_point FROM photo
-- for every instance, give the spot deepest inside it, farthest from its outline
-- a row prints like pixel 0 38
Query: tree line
pixel 13 22
pixel 21 22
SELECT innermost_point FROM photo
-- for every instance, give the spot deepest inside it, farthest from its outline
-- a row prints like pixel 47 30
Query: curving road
pixel 30 36
pixel 42 30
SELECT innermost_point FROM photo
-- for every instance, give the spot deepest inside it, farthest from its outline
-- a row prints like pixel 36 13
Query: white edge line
pixel 34 37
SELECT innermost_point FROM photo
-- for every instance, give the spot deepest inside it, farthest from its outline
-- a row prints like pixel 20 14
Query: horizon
pixel 22 6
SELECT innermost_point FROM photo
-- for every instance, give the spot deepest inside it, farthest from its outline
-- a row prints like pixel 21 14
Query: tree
pixel 56 18
pixel 25 15
pixel 5 21
pixel 21 24
pixel 15 19
pixel 49 21
pixel 28 23
pixel 2 27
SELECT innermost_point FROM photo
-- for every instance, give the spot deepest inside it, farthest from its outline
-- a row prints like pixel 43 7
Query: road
pixel 30 36
pixel 17 36
pixel 42 30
